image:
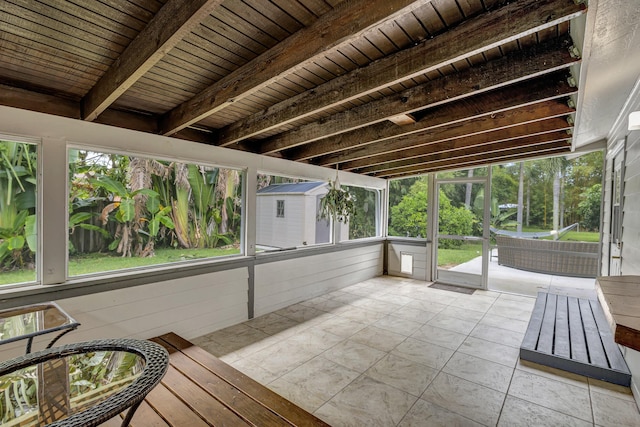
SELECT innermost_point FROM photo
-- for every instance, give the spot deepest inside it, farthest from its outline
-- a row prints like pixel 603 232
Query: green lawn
pixel 99 262
pixel 453 257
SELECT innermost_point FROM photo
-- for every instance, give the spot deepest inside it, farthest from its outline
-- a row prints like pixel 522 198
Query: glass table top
pixel 28 321
pixel 58 388
pixel 81 384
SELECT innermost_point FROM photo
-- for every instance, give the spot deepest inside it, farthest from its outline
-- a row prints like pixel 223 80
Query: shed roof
pixel 291 188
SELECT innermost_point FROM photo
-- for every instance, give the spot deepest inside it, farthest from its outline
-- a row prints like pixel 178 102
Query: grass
pixel 100 262
pixel 452 257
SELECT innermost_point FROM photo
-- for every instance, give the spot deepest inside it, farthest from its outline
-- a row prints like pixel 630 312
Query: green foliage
pixel 408 218
pixel 455 221
pixel 338 204
pixel 589 207
pixel 363 222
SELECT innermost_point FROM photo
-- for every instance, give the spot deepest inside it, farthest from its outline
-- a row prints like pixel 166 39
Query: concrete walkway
pixel 515 281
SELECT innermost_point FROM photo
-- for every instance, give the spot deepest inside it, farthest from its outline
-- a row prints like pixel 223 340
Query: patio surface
pixel 393 352
pixel 513 280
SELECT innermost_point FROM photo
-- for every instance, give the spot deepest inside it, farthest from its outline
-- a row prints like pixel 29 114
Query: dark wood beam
pixel 472 37
pixel 168 27
pixel 60 106
pixel 457 155
pixel 546 150
pixel 347 22
pixel 355 144
pixel 419 147
pixel 520 65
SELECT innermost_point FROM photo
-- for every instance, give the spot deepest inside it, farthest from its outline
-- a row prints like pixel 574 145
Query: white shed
pixel 287 215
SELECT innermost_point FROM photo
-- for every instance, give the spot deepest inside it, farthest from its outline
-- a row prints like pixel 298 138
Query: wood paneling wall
pixel 282 283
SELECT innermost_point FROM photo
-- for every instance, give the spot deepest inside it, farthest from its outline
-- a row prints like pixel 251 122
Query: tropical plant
pixel 18 228
pixel 123 210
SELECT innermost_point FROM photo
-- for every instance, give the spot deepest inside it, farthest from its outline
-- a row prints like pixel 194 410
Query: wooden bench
pixel 201 390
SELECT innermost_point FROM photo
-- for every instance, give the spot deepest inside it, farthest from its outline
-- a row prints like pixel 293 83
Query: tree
pixel 409 216
pixel 589 207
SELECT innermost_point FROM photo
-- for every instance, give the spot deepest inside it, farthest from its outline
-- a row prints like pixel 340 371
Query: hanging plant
pixel 337 204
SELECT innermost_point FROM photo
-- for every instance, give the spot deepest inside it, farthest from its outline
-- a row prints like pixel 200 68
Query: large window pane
pixel 127 212
pixel 287 213
pixel 408 207
pixel 18 219
pixel 364 222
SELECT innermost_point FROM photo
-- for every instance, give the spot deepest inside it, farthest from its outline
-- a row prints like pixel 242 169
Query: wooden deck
pixel 201 390
pixel 573 334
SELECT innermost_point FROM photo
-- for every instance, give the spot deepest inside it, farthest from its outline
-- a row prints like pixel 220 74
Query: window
pixel 364 221
pixel 18 212
pixel 128 212
pixel 301 226
pixel 280 208
pixel 408 207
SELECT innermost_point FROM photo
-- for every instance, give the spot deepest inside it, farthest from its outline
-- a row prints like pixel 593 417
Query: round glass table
pixel 82 384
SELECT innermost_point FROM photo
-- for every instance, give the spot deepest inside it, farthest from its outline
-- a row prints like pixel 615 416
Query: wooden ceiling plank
pixel 459 156
pixel 507 98
pixel 488 76
pixel 546 150
pixel 416 146
pixel 459 148
pixel 469 38
pixel 331 31
pixel 164 31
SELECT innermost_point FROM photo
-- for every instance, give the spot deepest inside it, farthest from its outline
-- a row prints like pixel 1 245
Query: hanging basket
pixel 337 204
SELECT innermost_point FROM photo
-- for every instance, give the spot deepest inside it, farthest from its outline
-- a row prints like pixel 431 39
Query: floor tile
pixel 512 311
pixel 272 323
pixel 366 402
pixel 559 396
pixel 425 413
pixel 423 352
pixel 463 313
pixel 321 377
pixel 398 325
pixel 502 322
pixel 439 336
pixel 452 324
pixel 341 326
pixel 354 355
pixel 466 398
pixel 613 411
pixel 427 305
pixel 384 307
pixel 414 314
pixel 553 373
pixel 520 413
pixel 360 314
pixel 299 312
pixel 498 335
pixel 474 302
pixel 491 351
pixel 479 371
pixel 378 338
pixel 402 373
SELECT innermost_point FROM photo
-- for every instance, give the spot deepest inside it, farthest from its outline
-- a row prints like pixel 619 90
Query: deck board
pixel 200 390
pixel 572 334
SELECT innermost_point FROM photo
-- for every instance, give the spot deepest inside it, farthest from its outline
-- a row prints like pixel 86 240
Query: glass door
pixel 462 232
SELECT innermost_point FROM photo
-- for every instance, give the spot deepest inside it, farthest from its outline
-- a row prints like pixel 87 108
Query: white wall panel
pixel 419 260
pixel 282 283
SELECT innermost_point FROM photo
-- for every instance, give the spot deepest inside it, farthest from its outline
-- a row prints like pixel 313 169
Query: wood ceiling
pixel 386 88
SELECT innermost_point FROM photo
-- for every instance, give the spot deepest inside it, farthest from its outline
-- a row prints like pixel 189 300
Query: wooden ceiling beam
pixel 419 147
pixel 472 37
pixel 457 155
pixel 360 143
pixel 339 27
pixel 12 96
pixel 545 150
pixel 518 66
pixel 168 27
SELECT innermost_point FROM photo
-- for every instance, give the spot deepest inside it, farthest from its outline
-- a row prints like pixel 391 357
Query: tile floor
pixel 394 352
